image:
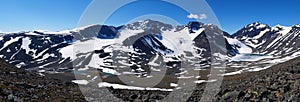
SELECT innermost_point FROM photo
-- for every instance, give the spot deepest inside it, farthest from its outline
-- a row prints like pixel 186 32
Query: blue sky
pixel 234 14
pixel 56 15
pixel 20 15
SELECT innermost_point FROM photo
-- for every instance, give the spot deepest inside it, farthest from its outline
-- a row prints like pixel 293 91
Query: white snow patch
pixel 261 34
pixel 31 33
pixel 20 65
pixel 7 43
pixel 281 34
pixel 57 32
pixel 204 81
pixel 173 84
pixel 67 51
pixel 261 26
pixel 233 73
pixel 243 48
pixel 119 86
pixel 249 57
pixel 81 82
pixel 197 33
pixel 25 45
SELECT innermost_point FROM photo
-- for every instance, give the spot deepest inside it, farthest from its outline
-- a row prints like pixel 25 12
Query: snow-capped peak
pixel 51 32
pixel 281 29
pixel 254 24
pixel 85 27
pixel 257 25
pixel 297 25
pixel 148 25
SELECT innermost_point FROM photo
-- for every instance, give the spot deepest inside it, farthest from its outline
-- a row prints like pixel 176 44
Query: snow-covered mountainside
pixel 35 49
pixel 51 50
pixel 59 51
pixel 155 44
pixel 264 45
pixel 147 43
pixel 262 39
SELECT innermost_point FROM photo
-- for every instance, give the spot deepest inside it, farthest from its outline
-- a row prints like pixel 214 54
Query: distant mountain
pixel 53 51
pixel 95 46
pixel 263 39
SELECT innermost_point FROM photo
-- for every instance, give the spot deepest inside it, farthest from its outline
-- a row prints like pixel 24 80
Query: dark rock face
pixel 37 46
pixel 211 37
pixel 43 49
pixel 201 42
pixel 250 30
pixel 194 26
pixel 277 40
pixel 97 31
pixel 282 44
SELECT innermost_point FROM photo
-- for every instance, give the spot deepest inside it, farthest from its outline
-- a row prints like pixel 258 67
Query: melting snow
pixel 243 48
pixel 81 82
pixel 119 86
pixel 281 33
pixel 233 73
pixel 196 34
pixel 261 34
pixel 7 43
pixel 173 85
pixel 25 45
pixel 249 57
pixel 204 81
pixel 67 52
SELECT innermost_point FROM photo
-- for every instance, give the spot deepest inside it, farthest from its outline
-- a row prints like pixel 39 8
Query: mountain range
pixel 93 47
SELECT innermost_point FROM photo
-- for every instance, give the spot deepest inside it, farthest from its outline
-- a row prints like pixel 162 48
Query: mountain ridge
pixel 38 50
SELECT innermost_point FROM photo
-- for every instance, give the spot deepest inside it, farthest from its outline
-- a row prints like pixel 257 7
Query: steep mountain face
pixel 263 39
pixel 35 49
pixel 96 31
pixel 157 44
pixel 285 41
pixel 57 51
pixel 148 25
pixel 250 37
pixel 48 50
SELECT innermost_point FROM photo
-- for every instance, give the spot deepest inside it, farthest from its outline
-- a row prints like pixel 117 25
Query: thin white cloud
pixel 203 16
pixel 193 16
pixel 196 16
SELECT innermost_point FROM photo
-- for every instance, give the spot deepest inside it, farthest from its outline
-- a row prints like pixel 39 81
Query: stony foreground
pixel 278 83
pixel 19 85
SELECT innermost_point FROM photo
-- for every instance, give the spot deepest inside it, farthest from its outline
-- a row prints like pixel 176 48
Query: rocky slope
pixel 19 85
pixel 261 38
pixel 279 83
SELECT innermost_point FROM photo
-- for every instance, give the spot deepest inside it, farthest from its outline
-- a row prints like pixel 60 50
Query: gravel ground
pixel 278 83
pixel 19 85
